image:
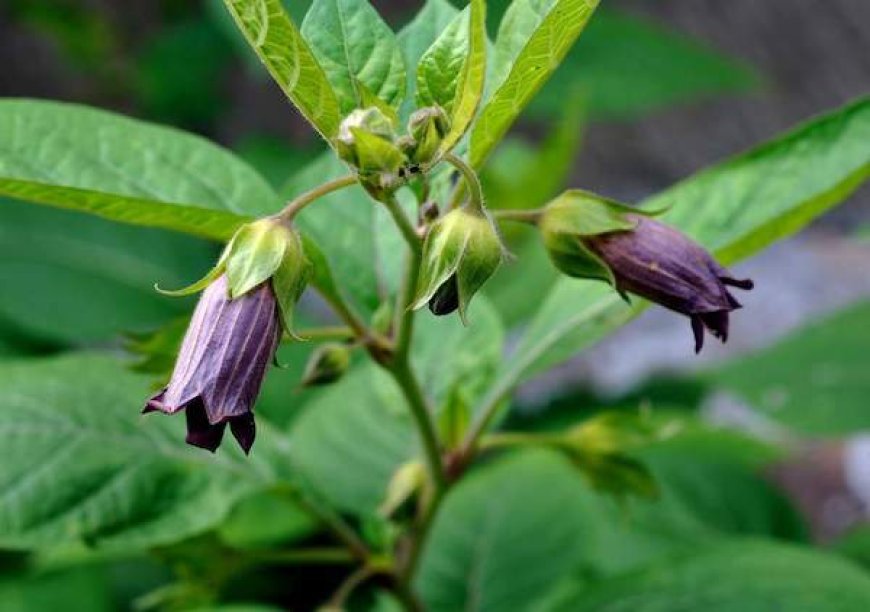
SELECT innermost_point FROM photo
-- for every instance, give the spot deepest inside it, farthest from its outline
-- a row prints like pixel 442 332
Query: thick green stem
pixel 471 181
pixel 303 200
pixel 404 224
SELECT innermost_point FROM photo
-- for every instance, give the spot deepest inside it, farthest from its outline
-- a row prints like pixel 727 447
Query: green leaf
pixel 284 52
pixel 125 170
pixel 87 586
pixel 263 520
pixel 735 209
pixel 416 37
pixel 83 467
pixel 451 72
pixel 651 68
pixel 362 420
pixel 814 381
pixel 69 278
pixel 505 533
pixel 751 576
pixel 353 44
pixel 533 38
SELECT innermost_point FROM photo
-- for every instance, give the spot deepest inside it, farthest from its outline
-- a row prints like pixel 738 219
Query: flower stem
pixel 400 364
pixel 334 332
pixel 529 216
pixel 471 180
pixel 303 200
pixel 319 556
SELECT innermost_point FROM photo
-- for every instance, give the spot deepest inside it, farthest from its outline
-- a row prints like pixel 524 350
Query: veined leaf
pixel 283 51
pixel 747 575
pixel 353 44
pixel 71 278
pixel 84 159
pixel 83 467
pixel 416 37
pixel 373 431
pixel 533 38
pixel 734 209
pixel 452 70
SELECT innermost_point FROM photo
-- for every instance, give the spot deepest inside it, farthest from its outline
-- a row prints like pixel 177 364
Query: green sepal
pixel 427 126
pixel 290 279
pixel 376 154
pixel 321 273
pixel 465 243
pixel 578 214
pixel 210 276
pixel 255 254
pixel 327 364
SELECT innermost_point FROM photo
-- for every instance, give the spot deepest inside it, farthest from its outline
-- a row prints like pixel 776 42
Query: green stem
pixel 404 224
pixel 470 178
pixel 404 377
pixel 320 556
pixel 303 200
pixel 332 332
pixel 347 587
pixel 487 412
pixel 531 217
pixel 400 364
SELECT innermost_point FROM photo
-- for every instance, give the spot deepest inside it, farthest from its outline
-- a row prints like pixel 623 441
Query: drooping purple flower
pixel 657 262
pixel 221 365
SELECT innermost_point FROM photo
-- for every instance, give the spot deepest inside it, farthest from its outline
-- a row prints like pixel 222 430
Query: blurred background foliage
pixel 651 92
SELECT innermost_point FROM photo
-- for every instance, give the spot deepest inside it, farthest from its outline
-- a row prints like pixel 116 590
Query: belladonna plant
pixel 416 399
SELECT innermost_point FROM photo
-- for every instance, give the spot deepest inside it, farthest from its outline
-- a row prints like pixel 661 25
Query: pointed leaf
pixel 282 49
pixel 533 38
pixel 353 44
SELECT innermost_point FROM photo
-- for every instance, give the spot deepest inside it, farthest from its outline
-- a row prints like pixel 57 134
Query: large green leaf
pixel 85 159
pixel 351 439
pixel 515 527
pixel 533 38
pixel 81 466
pixel 68 277
pixel 814 381
pixel 650 68
pixel 355 46
pixel 284 52
pixel 87 586
pixel 735 209
pixel 506 534
pixel 750 576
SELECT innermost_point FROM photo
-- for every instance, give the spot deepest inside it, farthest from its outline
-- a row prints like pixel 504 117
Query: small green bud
pixel 462 250
pixel 366 140
pixel 326 365
pixel 428 127
pixel 407 481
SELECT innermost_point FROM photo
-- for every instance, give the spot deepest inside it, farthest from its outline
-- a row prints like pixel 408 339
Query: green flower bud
pixel 366 140
pixel 408 481
pixel 326 365
pixel 261 251
pixel 461 251
pixel 428 127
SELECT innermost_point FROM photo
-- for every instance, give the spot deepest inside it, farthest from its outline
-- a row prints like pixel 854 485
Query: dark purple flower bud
pixel 657 262
pixel 222 363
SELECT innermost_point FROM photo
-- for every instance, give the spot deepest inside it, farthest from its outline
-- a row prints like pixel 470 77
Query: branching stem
pixel 303 200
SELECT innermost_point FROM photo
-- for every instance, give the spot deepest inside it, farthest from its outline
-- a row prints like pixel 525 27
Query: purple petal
pixel 200 432
pixel 244 430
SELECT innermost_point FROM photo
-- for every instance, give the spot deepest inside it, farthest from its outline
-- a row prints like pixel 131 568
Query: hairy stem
pixel 530 216
pixel 303 200
pixel 472 183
